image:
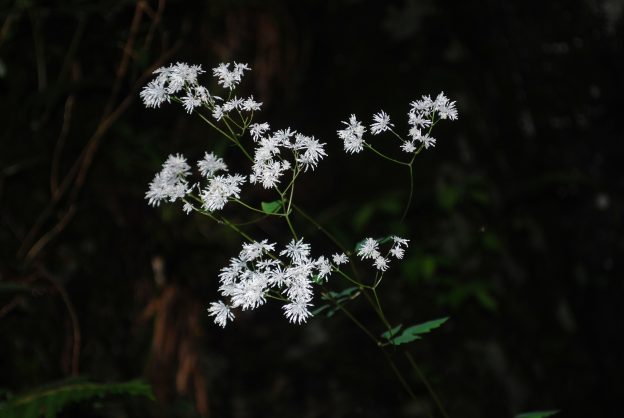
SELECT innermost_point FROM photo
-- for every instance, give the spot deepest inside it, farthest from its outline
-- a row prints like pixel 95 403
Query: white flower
pixel 324 267
pixel 381 123
pixel 232 104
pixel 176 166
pixel 397 252
pixel 211 164
pixel 313 151
pixel 268 173
pixel 368 249
pixel 297 312
pixel 267 148
pixel 217 112
pixel 170 183
pixel 381 263
pixel 254 250
pixel 181 74
pixel 298 281
pixel 408 146
pixel 249 293
pixel 399 240
pixel 256 130
pixel 154 94
pixel 427 141
pixel 340 259
pixel 415 133
pixel 445 108
pixel 298 251
pixel 284 136
pixel 250 105
pixel 219 190
pixel 191 101
pixel 221 312
pixel 424 105
pixel 277 277
pixel 187 208
pixel 229 79
pixel 352 135
pixel 231 273
pixel 417 120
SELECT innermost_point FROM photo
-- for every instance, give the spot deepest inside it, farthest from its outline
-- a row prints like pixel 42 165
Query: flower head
pixel 220 189
pixel 211 164
pixel 298 251
pixel 352 135
pixel 381 123
pixel 221 312
pixel 368 249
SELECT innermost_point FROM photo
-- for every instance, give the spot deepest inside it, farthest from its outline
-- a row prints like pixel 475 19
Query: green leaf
pixel 391 333
pixel 271 207
pixel 413 333
pixel 537 414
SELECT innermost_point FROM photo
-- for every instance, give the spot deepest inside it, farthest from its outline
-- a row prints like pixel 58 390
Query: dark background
pixel 516 224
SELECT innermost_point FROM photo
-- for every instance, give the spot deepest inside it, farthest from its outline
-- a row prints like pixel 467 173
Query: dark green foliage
pixel 537 414
pixel 48 401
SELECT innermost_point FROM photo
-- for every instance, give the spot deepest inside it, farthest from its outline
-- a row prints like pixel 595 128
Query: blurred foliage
pixel 50 400
pixel 516 224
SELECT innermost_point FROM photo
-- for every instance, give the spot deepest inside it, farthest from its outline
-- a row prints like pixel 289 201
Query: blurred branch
pixel 60 143
pixel 75 356
pixel 10 306
pixel 74 180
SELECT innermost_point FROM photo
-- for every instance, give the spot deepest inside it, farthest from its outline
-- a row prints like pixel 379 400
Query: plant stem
pixel 422 377
pixel 320 228
pixel 385 156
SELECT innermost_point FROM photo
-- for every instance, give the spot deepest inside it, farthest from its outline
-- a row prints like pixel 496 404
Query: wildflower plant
pixel 289 272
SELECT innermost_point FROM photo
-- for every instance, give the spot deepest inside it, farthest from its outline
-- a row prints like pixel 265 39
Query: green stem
pixel 320 228
pixel 384 155
pixel 411 190
pixel 422 377
pixel 254 209
pixel 234 140
pixel 355 282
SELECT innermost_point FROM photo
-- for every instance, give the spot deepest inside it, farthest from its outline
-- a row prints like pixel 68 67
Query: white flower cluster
pixel 369 249
pixel 422 115
pixel 259 271
pixel 171 183
pixel 269 164
pixel 179 82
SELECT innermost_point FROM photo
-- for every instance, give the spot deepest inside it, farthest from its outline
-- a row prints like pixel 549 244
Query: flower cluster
pixel 170 183
pixel 259 272
pixel 369 249
pixel 179 82
pixel 423 114
pixel 269 164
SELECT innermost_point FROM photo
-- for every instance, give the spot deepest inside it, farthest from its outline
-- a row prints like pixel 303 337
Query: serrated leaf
pixel 413 333
pixel 391 333
pixel 537 414
pixel 271 207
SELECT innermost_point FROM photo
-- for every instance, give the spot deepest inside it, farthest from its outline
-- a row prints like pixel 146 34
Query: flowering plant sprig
pixel 423 115
pixel 277 158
